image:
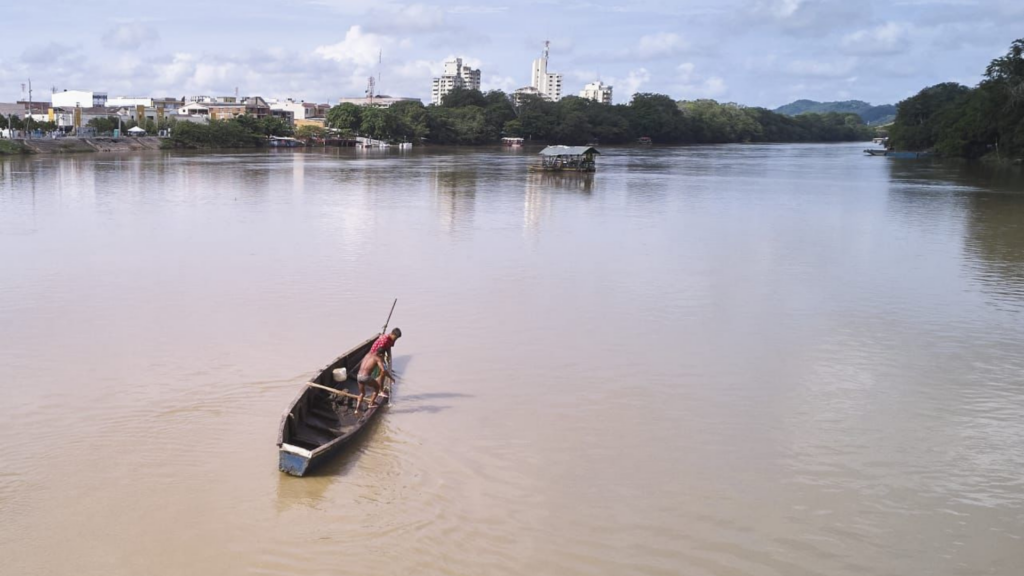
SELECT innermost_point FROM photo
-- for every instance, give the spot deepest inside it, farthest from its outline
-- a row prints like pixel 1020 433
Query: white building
pixel 79 98
pixel 598 92
pixel 124 101
pixel 456 75
pixel 298 109
pixel 547 83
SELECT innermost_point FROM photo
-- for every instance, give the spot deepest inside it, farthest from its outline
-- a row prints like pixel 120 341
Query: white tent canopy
pixel 136 130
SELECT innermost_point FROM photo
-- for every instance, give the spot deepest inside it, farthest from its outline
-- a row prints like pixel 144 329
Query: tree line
pixel 468 117
pixel 957 121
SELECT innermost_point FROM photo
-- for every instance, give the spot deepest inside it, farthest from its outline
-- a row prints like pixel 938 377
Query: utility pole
pixel 28 132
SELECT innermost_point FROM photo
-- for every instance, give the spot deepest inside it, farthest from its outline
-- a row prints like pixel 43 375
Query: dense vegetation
pixel 240 132
pixel 957 121
pixel 30 124
pixel 872 115
pixel 472 117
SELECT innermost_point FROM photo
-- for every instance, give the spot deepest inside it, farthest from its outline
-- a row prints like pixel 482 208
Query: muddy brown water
pixel 720 360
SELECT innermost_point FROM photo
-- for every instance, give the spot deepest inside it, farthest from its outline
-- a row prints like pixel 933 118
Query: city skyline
pixel 754 52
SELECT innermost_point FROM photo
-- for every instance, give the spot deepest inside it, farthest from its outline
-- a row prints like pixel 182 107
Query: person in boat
pixel 386 341
pixel 371 370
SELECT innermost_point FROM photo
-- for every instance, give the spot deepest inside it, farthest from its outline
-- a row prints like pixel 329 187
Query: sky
pixel 752 52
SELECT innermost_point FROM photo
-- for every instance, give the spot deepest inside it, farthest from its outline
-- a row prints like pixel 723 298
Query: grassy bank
pixel 13 147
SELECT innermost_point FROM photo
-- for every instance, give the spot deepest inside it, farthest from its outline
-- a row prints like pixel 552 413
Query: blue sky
pixel 754 52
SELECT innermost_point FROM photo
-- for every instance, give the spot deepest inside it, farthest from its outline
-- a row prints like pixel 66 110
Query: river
pixel 773 360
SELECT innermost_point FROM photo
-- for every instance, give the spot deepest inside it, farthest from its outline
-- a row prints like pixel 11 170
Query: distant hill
pixel 870 114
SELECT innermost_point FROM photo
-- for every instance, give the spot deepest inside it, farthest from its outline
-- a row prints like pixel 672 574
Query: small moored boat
pixel 285 142
pixel 323 417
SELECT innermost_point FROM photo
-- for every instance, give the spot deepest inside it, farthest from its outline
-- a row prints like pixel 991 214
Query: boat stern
pixel 294 460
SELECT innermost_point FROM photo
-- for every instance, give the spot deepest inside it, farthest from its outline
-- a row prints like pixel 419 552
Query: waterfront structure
pixel 568 159
pixel 456 75
pixel 160 107
pixel 81 98
pixel 598 92
pixel 548 84
pixel 212 110
pixel 381 101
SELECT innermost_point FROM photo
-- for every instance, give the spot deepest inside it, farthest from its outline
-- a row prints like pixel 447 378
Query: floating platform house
pixel 569 159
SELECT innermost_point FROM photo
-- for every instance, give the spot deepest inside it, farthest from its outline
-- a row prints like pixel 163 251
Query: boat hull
pixel 324 418
pixel 292 462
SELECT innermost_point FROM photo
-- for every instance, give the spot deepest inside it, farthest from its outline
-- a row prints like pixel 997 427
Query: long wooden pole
pixel 391 389
pixel 385 328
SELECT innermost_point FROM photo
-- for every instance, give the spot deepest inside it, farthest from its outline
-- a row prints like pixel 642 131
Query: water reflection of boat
pixel 574 181
pixel 324 417
pixel 568 159
pixel 897 153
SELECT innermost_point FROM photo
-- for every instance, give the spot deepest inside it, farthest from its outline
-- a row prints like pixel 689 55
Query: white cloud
pixel 497 82
pixel 359 48
pixel 477 9
pixel 686 71
pixel 626 87
pixel 50 53
pixel 130 36
pixel 805 17
pixel 692 85
pixel 406 18
pixel 659 45
pixel 888 38
pixel 821 69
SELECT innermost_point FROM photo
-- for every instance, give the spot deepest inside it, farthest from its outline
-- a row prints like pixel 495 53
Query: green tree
pixel 657 116
pixel 378 123
pixel 346 117
pixel 309 132
pixel 274 126
pixel 103 124
pixel 410 120
pixel 536 117
pixel 461 97
pixel 921 118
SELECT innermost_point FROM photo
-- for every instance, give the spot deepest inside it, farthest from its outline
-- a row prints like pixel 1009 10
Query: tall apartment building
pixel 455 76
pixel 598 92
pixel 549 84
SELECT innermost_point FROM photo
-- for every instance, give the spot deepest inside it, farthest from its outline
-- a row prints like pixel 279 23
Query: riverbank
pixel 12 147
pixel 79 145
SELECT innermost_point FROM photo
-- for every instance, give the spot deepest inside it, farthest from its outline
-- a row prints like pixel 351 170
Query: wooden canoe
pixel 323 418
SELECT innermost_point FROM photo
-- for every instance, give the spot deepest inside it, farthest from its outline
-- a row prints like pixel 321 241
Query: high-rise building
pixel 547 83
pixel 456 75
pixel 598 92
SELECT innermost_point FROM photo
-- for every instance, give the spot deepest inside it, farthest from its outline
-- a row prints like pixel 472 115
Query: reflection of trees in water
pixel 994 242
pixel 989 201
pixel 539 188
pixel 455 194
